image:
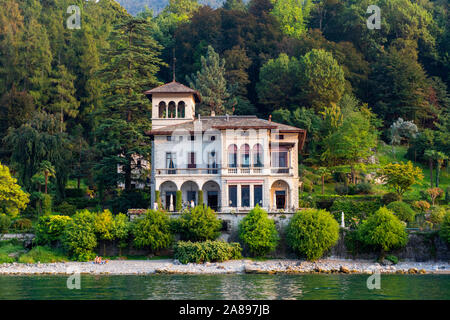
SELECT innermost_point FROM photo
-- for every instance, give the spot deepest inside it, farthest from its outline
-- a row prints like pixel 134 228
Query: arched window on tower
pixel 162 110
pixel 181 109
pixel 172 109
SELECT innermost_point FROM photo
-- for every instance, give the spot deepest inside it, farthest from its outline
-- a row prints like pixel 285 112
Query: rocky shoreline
pixel 280 266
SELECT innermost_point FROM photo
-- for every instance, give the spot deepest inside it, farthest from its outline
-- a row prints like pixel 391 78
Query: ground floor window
pixel 232 196
pixel 245 196
pixel 257 195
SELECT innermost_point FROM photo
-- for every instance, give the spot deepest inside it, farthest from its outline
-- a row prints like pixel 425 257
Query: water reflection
pixel 310 286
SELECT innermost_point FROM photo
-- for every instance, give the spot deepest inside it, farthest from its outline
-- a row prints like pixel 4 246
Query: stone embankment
pixel 140 267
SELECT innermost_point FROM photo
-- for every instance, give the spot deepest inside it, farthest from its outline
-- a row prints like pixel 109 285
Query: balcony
pixel 187 171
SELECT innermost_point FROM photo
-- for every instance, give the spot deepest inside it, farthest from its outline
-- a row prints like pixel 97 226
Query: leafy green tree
pixel 104 226
pixel 121 230
pixel 401 176
pixel 152 230
pixel 12 197
pixel 384 231
pixel 79 236
pixel 199 224
pixel 322 79
pixel 258 232
pixel 311 232
pixel 234 5
pixel 38 140
pixel 50 228
pixel 292 16
pixel 351 141
pixel 211 83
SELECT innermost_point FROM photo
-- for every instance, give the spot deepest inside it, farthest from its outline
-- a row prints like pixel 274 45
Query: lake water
pixel 231 286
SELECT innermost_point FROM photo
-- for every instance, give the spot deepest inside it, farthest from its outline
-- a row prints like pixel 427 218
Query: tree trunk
pixel 46 181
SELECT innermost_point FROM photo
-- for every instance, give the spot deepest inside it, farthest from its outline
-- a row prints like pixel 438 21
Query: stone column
pixel 239 196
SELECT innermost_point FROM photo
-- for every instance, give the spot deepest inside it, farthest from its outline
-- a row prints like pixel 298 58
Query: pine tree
pixel 63 94
pixel 210 82
pixel 131 66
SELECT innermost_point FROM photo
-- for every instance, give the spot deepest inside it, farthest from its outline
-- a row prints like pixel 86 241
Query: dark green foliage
pixel 257 231
pixel 75 193
pixel 79 236
pixel 402 210
pixel 199 224
pixel 5 222
pixel 360 188
pixel 390 197
pixel 129 199
pixel 444 233
pixel 383 230
pixel 354 211
pixel 207 251
pixel 65 209
pixel 152 230
pixel 311 232
pixel 50 228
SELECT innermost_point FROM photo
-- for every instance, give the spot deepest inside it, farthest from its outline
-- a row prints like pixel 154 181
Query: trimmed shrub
pixel 43 255
pixel 258 232
pixel 207 251
pixel 79 236
pixel 50 228
pixel 383 231
pixel 158 199
pixel 444 233
pixel 311 232
pixel 390 197
pixel 199 224
pixel 437 215
pixel 65 209
pixel 200 197
pixel 5 223
pixel 46 204
pixel 402 210
pixel 152 230
pixel 392 259
pixel 179 204
pixel 22 224
pixel 354 211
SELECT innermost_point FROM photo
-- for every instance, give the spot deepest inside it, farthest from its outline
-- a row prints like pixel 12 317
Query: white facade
pixel 237 161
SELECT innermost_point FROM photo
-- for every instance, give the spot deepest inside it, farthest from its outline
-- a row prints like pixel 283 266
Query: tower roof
pixel 173 87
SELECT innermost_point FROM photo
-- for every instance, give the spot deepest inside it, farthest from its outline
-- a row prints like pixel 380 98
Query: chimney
pixel 213 113
pixel 228 117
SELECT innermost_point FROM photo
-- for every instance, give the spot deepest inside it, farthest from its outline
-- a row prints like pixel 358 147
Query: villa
pixel 237 162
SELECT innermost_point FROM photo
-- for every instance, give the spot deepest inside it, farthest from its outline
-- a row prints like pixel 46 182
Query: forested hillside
pixel 136 6
pixel 71 99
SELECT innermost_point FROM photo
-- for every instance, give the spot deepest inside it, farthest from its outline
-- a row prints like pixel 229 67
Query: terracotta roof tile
pixel 173 87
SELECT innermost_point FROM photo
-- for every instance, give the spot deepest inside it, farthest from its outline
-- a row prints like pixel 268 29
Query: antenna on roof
pixel 174 61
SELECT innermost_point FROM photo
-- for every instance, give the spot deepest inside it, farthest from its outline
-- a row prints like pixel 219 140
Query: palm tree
pixel 439 157
pixel 324 172
pixel 46 168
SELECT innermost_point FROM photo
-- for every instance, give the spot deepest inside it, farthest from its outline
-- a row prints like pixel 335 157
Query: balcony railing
pixel 187 171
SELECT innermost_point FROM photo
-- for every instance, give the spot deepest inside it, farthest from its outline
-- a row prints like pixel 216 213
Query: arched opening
pixel 189 191
pixel 162 110
pixel 232 156
pixel 211 194
pixel 172 109
pixel 181 109
pixel 258 156
pixel 245 156
pixel 279 195
pixel 168 194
